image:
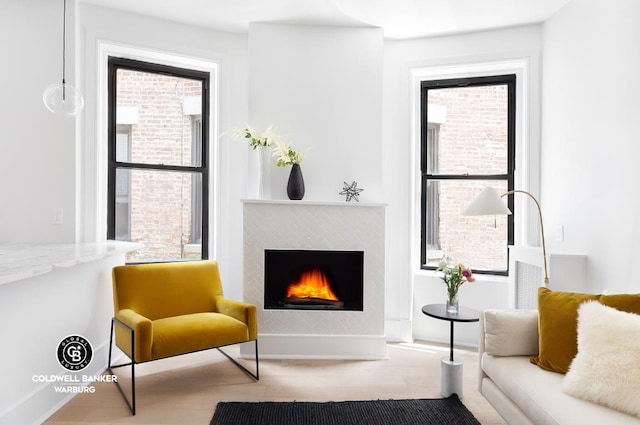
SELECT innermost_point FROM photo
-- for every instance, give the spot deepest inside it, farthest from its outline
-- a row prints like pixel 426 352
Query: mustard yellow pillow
pixel 558 324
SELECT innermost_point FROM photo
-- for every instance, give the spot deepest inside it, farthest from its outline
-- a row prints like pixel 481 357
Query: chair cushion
pixel 161 290
pixel 193 332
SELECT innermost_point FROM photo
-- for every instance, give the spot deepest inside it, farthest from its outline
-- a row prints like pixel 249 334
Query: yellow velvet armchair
pixel 168 309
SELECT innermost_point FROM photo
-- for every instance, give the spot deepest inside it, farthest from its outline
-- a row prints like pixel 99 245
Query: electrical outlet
pixel 57 216
pixel 559 233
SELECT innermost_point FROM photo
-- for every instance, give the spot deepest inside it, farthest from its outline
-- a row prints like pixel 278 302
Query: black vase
pixel 295 185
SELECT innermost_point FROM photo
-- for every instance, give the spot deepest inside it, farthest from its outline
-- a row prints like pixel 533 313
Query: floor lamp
pixel 488 202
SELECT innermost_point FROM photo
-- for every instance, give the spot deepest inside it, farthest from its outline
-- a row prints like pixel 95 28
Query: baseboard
pixel 398 330
pixel 292 346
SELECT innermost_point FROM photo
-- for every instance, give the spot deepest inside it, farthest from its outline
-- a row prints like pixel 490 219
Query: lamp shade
pixel 488 202
pixel 63 99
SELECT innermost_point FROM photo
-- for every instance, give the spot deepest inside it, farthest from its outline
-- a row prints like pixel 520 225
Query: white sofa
pixel 521 392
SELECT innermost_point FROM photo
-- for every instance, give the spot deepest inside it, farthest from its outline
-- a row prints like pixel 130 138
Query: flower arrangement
pixel 285 154
pixel 454 276
pixel 265 139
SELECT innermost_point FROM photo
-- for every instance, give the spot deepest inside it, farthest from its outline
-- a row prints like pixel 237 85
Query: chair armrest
pixel 244 312
pixel 143 334
pixel 510 332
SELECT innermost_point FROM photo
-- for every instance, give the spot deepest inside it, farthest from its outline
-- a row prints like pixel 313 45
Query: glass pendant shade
pixel 63 98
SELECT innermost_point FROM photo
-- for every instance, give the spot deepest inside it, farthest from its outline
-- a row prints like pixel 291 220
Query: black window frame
pixel 510 81
pixel 116 63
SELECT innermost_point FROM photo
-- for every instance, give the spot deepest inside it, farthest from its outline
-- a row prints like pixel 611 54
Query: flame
pixel 312 284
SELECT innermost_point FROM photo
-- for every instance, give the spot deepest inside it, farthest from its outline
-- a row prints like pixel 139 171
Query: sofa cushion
pixel 558 315
pixel 558 328
pixel 511 332
pixel 606 369
pixel 539 395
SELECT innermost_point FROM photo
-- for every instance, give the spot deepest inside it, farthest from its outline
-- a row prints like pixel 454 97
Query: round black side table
pixel 450 368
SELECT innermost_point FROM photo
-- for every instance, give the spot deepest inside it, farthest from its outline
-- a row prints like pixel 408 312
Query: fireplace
pixel 313 280
pixel 351 332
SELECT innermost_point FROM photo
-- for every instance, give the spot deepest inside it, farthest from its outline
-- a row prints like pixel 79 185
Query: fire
pixel 312 284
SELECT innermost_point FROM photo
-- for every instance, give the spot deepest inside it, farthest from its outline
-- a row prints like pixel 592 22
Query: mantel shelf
pixel 318 203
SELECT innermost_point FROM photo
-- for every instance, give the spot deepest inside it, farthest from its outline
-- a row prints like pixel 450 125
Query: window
pixel 467 143
pixel 432 233
pixel 123 186
pixel 158 159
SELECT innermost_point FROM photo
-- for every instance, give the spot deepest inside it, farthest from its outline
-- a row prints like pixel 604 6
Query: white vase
pixel 264 172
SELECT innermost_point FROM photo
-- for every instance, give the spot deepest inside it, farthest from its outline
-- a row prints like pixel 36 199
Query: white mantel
pixel 316 203
pixel 312 225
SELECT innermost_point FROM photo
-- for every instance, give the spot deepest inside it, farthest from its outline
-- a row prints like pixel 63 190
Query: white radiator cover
pixel 316 226
pixel 567 272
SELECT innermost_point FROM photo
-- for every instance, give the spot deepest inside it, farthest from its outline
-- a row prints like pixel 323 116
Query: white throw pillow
pixel 606 369
pixel 511 332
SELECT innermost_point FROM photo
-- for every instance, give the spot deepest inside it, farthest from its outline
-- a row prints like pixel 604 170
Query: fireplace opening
pixel 313 280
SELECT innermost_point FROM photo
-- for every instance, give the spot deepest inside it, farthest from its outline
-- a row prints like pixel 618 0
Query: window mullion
pixel 467 176
pixel 159 167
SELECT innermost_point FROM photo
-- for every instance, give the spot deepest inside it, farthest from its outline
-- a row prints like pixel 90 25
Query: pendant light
pixel 63 98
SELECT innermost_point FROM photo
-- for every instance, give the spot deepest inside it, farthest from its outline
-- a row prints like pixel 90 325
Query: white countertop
pixel 21 261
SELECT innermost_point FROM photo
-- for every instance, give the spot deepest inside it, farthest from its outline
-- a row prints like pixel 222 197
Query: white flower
pixel 285 154
pixel 266 138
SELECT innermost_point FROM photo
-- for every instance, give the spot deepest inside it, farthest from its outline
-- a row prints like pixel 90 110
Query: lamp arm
pixel 544 249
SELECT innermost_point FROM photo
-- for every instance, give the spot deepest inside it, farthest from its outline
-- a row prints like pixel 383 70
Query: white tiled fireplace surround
pixel 310 225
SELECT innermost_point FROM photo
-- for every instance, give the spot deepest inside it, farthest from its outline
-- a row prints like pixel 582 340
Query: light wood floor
pixel 185 390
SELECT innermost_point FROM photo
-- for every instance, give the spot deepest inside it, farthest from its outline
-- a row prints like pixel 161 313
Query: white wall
pixel 590 143
pixel 36 314
pixel 44 165
pixel 409 288
pixel 589 126
pixel 37 164
pixel 229 52
pixel 321 87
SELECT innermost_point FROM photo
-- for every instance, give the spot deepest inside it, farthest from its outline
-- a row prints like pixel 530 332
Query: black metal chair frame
pixel 132 404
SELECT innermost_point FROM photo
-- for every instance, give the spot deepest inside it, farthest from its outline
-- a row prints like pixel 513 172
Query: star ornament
pixel 351 191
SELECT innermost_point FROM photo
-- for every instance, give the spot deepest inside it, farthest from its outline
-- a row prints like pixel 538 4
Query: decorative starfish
pixel 351 191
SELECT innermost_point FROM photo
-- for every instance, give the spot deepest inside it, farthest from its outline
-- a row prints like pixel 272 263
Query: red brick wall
pixel 160 200
pixel 473 140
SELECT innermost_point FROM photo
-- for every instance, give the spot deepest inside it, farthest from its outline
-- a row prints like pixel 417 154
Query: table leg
pixel 450 377
pixel 451 343
pixel 450 372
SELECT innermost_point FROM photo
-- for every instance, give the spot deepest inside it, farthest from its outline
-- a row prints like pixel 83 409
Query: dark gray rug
pixel 379 412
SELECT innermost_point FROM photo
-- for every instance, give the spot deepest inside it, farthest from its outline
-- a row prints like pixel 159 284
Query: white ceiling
pixel 399 18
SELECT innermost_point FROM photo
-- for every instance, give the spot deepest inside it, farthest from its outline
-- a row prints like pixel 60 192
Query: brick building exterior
pixel 471 140
pixel 156 207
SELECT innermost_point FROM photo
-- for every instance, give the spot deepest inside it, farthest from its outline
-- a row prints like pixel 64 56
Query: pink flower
pixel 467 274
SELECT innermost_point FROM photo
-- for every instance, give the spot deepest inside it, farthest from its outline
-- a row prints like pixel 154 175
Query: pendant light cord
pixel 64 46
pixel 55 95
